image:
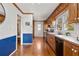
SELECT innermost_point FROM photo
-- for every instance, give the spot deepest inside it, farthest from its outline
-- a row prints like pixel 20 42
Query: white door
pixel 38 29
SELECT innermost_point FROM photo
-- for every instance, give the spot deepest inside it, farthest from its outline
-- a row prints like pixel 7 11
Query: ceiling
pixel 41 11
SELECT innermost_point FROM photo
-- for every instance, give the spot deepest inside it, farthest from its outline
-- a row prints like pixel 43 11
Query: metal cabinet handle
pixel 75 18
pixel 72 49
pixel 78 18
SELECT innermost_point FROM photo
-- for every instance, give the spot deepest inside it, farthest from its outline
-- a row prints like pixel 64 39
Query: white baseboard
pixel 12 52
pixel 27 44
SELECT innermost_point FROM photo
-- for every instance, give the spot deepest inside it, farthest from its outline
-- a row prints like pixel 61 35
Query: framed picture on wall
pixel 27 23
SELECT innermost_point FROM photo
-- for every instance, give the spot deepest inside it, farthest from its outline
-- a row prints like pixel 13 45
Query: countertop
pixel 64 37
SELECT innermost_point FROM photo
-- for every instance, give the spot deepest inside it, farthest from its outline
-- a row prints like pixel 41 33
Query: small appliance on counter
pixel 68 34
pixel 50 29
pixel 77 38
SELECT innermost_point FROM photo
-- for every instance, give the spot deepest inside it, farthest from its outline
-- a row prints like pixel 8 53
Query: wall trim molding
pixel 15 49
pixel 13 52
pixel 20 9
pixel 38 36
pixel 27 44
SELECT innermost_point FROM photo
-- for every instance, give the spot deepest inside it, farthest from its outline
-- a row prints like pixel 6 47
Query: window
pixel 39 27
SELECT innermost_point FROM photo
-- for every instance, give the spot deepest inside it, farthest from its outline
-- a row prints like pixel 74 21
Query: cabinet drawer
pixel 70 49
pixel 67 44
pixel 67 49
pixel 76 50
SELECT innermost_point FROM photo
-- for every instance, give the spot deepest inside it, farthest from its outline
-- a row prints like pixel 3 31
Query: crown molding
pixel 20 9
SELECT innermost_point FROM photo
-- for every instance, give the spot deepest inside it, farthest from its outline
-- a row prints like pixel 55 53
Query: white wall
pixel 1 9
pixel 38 33
pixel 18 12
pixel 25 28
pixel 8 27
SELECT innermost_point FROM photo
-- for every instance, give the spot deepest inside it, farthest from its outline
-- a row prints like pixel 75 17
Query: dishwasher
pixel 59 46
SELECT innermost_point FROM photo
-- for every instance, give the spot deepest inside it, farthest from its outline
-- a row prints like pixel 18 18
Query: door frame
pixel 19 19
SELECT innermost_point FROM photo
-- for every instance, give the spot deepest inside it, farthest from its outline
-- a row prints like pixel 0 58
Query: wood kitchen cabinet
pixel 50 51
pixel 67 49
pixel 51 43
pixel 70 49
pixel 75 50
pixel 60 8
pixel 78 11
pixel 73 9
pixel 72 12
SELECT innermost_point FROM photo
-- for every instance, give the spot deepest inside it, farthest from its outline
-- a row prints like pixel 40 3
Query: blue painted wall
pixel 27 38
pixel 7 46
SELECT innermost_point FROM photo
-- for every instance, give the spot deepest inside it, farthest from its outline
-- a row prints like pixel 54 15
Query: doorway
pixel 18 30
pixel 38 29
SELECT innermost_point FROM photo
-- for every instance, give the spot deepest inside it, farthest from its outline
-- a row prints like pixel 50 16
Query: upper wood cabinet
pixel 57 11
pixel 45 25
pixel 72 13
pixel 78 11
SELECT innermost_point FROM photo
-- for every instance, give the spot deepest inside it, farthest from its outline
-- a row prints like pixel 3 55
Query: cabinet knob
pixel 75 51
pixel 72 49
pixel 78 18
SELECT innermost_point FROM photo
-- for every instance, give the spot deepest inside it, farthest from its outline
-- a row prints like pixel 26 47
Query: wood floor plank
pixel 38 48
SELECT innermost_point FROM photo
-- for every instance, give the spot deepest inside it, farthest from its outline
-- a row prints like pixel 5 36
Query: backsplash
pixel 75 33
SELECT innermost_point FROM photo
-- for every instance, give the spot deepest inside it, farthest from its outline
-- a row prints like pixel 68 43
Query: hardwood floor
pixel 38 48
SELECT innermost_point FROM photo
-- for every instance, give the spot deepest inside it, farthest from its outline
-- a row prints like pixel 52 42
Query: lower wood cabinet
pixel 51 43
pixel 70 49
pixel 75 51
pixel 50 51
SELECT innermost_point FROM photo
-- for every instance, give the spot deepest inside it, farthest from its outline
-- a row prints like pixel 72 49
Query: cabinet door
pixel 51 42
pixel 54 44
pixel 50 51
pixel 48 38
pixel 72 13
pixel 67 49
pixel 78 11
pixel 75 51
